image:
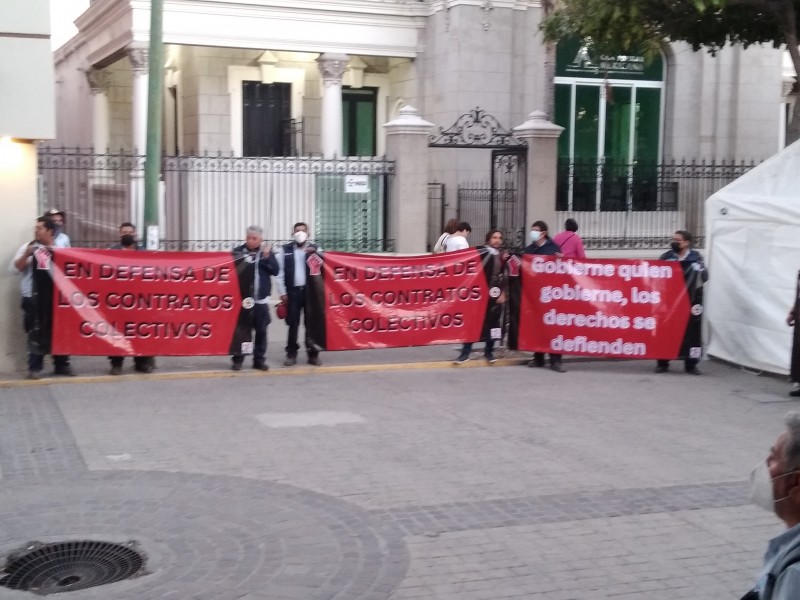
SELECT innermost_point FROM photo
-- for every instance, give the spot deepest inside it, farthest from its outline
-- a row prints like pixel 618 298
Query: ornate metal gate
pixel 499 202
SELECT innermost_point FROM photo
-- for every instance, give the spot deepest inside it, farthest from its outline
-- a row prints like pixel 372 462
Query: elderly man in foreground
pixel 775 486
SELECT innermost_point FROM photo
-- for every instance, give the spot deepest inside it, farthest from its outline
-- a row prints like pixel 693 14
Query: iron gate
pixel 498 203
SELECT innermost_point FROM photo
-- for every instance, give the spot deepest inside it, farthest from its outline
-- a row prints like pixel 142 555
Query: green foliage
pixel 641 26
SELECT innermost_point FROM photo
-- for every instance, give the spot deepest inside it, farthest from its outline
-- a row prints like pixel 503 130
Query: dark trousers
pixel 139 362
pixel 297 307
pixel 538 358
pixel 487 350
pixel 259 324
pixel 36 361
pixel 688 364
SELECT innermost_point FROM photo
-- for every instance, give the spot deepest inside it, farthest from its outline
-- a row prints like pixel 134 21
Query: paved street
pixel 419 480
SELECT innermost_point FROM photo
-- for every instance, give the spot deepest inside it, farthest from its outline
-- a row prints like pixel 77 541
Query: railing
pixel 638 206
pixel 214 198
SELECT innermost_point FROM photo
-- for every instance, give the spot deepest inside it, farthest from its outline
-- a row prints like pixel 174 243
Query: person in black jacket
pixel 292 282
pixel 695 273
pixel 541 243
pixel 255 250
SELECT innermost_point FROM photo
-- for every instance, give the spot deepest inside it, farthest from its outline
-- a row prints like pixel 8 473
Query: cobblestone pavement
pixel 451 483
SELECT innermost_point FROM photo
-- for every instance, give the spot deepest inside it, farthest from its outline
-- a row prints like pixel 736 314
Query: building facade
pixel 274 78
pixel 27 115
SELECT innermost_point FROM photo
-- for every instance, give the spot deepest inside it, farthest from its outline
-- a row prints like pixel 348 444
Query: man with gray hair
pixel 775 486
pixel 254 250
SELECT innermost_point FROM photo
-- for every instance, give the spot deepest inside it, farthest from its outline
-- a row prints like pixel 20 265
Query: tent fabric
pixel 753 256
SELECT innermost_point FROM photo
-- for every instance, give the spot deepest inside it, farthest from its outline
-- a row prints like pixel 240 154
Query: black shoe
pixel 35 375
pixel 143 368
pixel 462 358
pixel 558 368
pixel 661 369
pixel 491 358
pixel 236 367
pixel 314 360
pixel 290 361
pixel 693 371
pixel 795 393
pixel 64 372
pixel 261 366
pixel 115 370
pixel 535 363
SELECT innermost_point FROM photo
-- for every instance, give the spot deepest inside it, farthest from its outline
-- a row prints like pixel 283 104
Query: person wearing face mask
pixel 775 487
pixel 542 244
pixel 292 280
pixel 254 250
pixel 128 242
pixel 62 239
pixel 495 276
pixel 696 275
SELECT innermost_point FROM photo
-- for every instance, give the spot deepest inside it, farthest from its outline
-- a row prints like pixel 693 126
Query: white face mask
pixel 300 237
pixel 761 493
pixel 535 235
pixel 761 490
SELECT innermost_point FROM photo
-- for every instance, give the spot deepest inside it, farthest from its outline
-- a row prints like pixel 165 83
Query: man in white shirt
pixel 57 217
pixel 292 280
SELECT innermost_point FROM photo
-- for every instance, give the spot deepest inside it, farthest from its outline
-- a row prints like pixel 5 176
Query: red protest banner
pixel 390 302
pixel 599 307
pixel 116 302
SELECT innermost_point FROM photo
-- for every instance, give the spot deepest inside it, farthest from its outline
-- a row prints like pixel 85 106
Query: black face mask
pixel 676 247
pixel 127 240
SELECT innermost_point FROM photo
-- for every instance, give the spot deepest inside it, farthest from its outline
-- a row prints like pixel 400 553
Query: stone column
pixel 332 67
pixel 138 58
pixel 99 80
pixel 542 138
pixel 407 145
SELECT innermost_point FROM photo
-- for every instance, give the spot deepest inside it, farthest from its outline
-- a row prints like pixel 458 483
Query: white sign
pixel 356 184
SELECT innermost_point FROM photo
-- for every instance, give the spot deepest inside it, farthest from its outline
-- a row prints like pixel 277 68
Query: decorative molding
pixel 475 129
pixel 99 80
pixel 332 67
pixel 138 58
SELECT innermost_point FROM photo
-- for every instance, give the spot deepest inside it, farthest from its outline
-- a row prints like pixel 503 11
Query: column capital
pixel 138 58
pixel 332 67
pixel 99 80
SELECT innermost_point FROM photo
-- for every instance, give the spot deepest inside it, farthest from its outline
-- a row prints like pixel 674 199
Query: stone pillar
pixel 99 81
pixel 138 58
pixel 332 67
pixel 407 145
pixel 18 182
pixel 542 138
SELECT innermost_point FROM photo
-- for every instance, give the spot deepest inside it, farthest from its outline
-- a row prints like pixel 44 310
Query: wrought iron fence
pixel 637 206
pixel 211 199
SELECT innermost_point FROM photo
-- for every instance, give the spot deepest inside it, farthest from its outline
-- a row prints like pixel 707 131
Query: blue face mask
pixel 535 235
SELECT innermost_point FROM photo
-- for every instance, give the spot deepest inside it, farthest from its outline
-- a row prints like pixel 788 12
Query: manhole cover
pixel 68 566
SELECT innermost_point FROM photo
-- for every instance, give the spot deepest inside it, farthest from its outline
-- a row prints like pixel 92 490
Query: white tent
pixel 753 233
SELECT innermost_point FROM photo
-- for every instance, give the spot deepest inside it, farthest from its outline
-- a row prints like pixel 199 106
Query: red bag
pixel 282 310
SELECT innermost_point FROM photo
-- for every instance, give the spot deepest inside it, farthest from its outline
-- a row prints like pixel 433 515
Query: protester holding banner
pixel 496 279
pixel 569 241
pixel 34 261
pixel 292 281
pixel 542 244
pixel 695 274
pixel 265 266
pixel 792 321
pixel 449 229
pixel 61 239
pixel 129 242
